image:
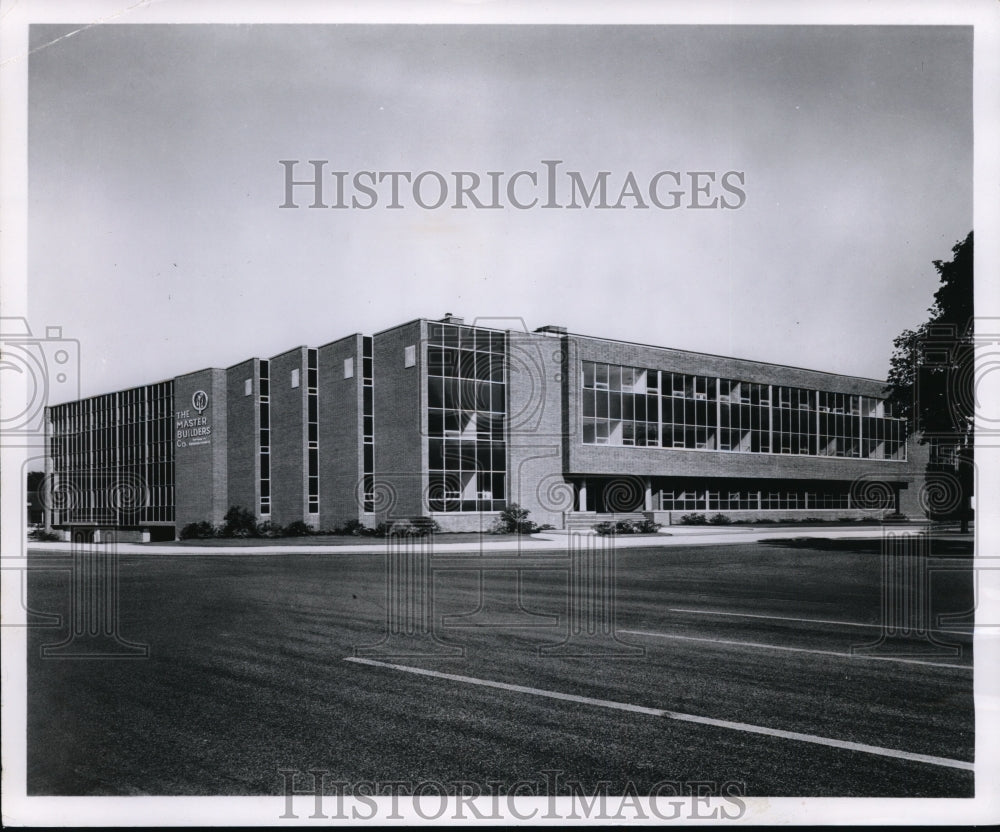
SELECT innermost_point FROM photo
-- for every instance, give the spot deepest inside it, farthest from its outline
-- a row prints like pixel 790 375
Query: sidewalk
pixel 545 541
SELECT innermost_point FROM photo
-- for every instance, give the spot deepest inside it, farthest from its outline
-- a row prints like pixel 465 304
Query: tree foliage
pixel 930 379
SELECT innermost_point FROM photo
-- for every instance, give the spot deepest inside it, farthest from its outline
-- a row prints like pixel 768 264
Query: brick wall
pixel 200 468
pixel 401 419
pixel 244 439
pixel 535 444
pixel 339 432
pixel 288 437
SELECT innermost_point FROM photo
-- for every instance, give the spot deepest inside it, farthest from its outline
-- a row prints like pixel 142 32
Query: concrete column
pixel 583 495
pixel 648 499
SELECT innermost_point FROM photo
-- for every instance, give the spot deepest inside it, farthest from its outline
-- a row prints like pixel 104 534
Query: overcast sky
pixel 157 240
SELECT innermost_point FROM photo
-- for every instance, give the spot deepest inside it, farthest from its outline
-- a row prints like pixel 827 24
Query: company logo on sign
pixel 194 430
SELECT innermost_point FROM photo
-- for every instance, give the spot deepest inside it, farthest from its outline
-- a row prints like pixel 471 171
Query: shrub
pixel 268 529
pixel 402 528
pixel 694 520
pixel 298 528
pixel 514 520
pixel 200 530
pixel 720 520
pixel 412 527
pixel 626 527
pixel 239 522
pixel 352 526
pixel 44 535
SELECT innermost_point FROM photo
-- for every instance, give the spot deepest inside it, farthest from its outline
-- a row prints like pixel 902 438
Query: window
pixel 688 415
pixel 466 418
pixel 264 410
pixel 409 356
pixel 295 377
pixel 97 442
pixel 368 425
pixel 312 461
pixel 349 367
pixel 838 432
pixel 248 387
pixel 744 421
pixel 794 422
pixel 620 406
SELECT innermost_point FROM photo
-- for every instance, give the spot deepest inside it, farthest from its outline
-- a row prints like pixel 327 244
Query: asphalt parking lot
pixel 761 664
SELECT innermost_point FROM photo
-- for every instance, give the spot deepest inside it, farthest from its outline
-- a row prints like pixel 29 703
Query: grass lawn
pixel 246 676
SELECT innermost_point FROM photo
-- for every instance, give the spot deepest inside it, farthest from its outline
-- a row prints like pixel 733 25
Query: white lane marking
pixel 681 717
pixel 802 620
pixel 796 649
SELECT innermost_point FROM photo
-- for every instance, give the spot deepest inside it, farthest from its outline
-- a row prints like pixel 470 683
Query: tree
pixel 930 380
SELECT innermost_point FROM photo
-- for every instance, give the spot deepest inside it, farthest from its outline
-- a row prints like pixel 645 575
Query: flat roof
pixel 494 329
pixel 725 357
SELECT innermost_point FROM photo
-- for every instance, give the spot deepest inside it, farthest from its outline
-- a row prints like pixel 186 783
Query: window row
pixel 312 461
pixel 132 431
pixel 81 456
pixel 133 405
pixel 643 407
pixel 466 491
pixel 466 418
pixel 264 416
pixel 466 394
pixel 456 455
pixel 446 362
pixel 466 337
pixel 616 378
pixel 368 423
pixel 453 424
pixel 706 499
pixel 85 499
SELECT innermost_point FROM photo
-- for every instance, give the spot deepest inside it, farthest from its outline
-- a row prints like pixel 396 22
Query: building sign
pixel 194 429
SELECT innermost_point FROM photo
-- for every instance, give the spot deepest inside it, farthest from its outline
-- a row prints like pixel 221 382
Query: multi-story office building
pixel 456 422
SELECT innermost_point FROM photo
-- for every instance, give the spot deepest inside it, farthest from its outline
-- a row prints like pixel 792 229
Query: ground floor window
pixel 617 494
pixel 773 495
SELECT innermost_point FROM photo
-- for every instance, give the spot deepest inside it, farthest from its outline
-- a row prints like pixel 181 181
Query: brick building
pixel 455 422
